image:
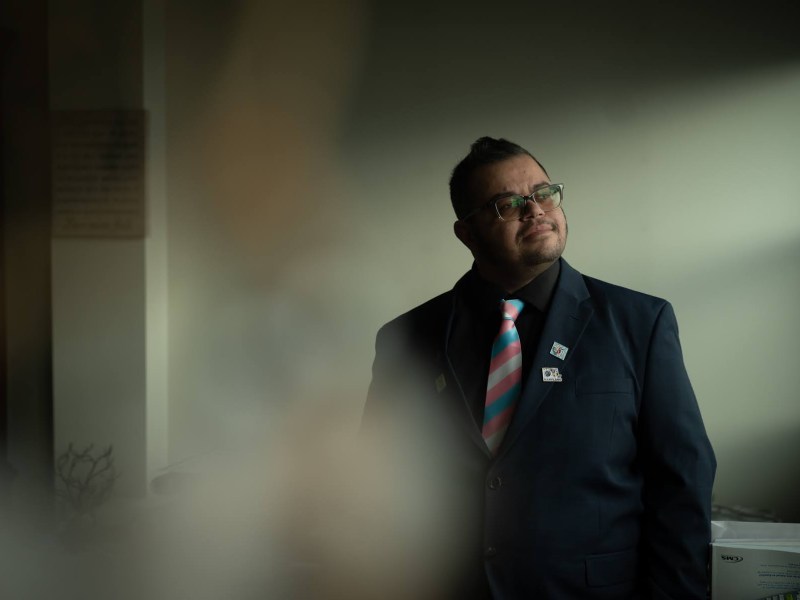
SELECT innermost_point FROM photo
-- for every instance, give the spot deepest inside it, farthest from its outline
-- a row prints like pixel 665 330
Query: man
pixel 578 470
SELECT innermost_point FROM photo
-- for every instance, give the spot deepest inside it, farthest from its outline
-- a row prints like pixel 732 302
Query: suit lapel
pixel 463 410
pixel 570 312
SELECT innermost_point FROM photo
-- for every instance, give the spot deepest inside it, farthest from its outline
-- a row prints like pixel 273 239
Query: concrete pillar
pixel 109 294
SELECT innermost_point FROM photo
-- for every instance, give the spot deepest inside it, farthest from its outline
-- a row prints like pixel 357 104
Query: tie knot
pixel 511 309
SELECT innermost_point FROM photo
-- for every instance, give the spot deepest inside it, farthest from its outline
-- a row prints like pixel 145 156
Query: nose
pixel 532 209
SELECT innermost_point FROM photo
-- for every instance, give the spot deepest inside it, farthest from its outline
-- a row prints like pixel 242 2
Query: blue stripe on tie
pixel 501 403
pixel 504 341
pixel 518 304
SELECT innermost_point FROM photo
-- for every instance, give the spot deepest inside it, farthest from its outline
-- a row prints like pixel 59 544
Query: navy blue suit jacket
pixel 602 486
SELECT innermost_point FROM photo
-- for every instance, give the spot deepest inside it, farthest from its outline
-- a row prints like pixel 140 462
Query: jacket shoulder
pixel 421 318
pixel 609 294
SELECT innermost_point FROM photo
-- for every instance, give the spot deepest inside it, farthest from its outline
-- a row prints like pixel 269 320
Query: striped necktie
pixel 505 377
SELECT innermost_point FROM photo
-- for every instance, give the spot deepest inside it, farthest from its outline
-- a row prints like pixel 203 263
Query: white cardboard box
pixel 753 560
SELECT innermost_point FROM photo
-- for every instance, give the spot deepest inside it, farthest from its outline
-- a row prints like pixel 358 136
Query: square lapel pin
pixel 551 374
pixel 559 350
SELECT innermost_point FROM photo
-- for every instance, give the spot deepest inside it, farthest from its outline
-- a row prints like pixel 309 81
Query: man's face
pixel 512 249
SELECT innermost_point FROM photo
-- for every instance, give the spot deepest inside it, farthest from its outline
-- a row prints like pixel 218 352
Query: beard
pixel 531 257
pixel 515 259
pixel 523 256
pixel 550 252
pixel 534 258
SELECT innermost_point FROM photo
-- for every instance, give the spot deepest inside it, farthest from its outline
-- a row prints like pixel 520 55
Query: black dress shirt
pixel 477 322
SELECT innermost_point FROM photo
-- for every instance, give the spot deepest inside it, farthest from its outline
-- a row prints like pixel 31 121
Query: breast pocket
pixel 618 397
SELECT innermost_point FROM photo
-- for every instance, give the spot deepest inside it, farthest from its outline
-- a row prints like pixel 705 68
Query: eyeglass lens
pixel 513 207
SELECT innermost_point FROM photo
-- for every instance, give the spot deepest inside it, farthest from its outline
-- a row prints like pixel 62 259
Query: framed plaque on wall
pixel 99 173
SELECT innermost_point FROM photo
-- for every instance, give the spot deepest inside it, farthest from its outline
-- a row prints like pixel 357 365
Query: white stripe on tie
pixel 504 370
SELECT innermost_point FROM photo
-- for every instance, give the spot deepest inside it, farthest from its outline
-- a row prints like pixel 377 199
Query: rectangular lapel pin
pixel 551 374
pixel 559 350
pixel 440 383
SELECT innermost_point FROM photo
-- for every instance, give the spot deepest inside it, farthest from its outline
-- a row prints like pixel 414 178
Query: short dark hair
pixel 484 151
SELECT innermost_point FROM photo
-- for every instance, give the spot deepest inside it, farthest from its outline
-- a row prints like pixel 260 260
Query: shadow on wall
pixel 754 453
pixel 741 339
pixel 446 64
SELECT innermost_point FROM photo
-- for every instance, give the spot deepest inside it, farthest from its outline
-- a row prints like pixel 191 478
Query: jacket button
pixel 491 551
pixel 495 483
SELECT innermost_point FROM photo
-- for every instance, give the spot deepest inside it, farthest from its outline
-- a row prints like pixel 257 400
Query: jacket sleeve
pixel 678 467
pixel 386 378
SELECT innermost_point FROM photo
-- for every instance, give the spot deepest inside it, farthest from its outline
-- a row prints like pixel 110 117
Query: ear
pixel 463 233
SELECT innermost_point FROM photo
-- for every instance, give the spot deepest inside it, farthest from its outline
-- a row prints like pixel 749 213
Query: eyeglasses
pixel 513 207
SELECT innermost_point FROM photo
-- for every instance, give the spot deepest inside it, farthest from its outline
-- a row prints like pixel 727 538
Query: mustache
pixel 536 223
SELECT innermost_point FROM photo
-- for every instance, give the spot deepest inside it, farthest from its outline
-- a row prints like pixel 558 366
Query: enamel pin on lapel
pixel 559 350
pixel 551 374
pixel 440 383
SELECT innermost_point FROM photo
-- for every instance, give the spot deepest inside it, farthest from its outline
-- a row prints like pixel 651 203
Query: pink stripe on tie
pixel 498 422
pixel 505 372
pixel 513 349
pixel 502 386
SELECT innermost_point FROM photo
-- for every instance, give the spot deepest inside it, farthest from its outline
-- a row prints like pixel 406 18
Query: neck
pixel 512 280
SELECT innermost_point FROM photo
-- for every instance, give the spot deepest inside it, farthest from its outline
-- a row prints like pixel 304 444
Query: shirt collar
pixel 537 293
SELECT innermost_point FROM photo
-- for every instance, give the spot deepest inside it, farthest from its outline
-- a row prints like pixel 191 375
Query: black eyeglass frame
pixel 529 198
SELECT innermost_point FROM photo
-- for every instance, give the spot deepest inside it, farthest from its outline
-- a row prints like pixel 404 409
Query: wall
pixel 308 199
